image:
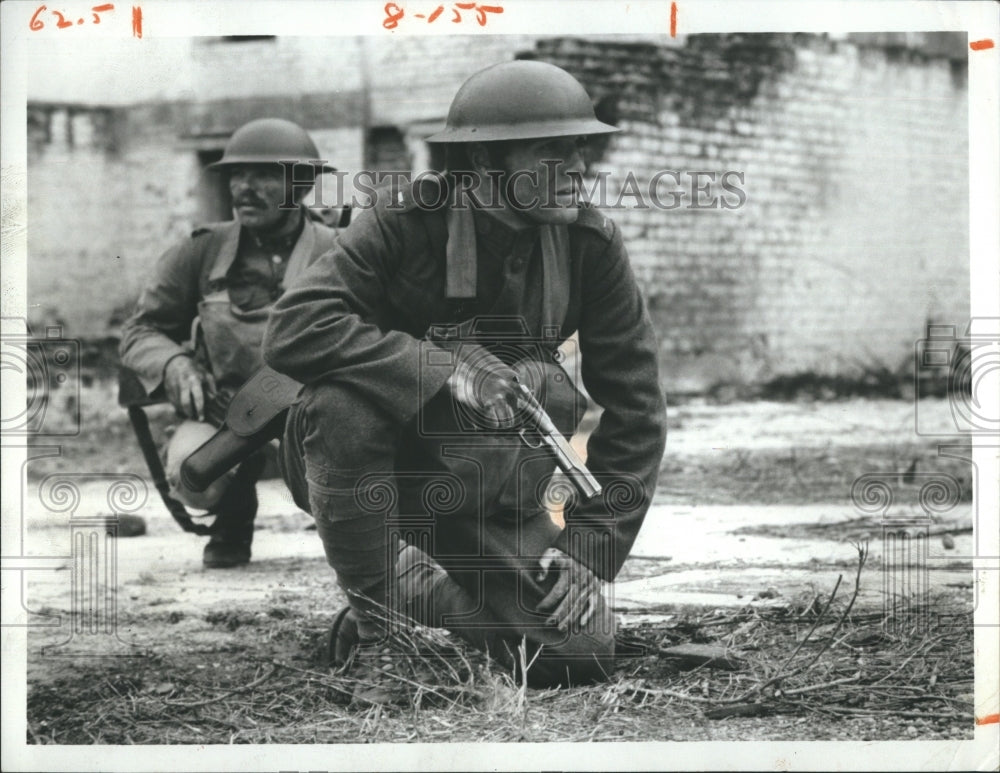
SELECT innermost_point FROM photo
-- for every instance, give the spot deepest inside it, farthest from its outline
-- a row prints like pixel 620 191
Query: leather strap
pixel 140 423
pixel 266 394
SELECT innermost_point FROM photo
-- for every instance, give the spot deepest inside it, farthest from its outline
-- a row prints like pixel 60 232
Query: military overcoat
pixel 361 314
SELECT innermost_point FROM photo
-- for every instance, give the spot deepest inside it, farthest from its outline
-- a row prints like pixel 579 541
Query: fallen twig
pixel 824 686
pixel 815 625
pixel 781 675
pixel 223 696
pixel 862 559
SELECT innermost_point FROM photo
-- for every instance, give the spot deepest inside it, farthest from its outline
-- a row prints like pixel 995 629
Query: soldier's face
pixel 260 198
pixel 542 176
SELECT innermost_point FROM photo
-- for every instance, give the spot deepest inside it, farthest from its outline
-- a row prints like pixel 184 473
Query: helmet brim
pixel 528 130
pixel 224 163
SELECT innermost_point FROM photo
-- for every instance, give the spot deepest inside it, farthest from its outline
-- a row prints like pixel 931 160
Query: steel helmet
pixel 518 101
pixel 269 141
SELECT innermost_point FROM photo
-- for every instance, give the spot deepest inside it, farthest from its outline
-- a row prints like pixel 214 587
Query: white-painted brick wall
pixel 854 233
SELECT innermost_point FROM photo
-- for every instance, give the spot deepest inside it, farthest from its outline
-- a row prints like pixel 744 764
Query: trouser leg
pixel 232 531
pixel 238 505
pixel 488 594
pixel 338 462
pixel 232 497
pixel 490 546
pixel 491 601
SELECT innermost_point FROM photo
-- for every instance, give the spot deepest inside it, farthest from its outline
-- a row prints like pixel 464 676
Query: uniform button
pixel 517 264
pixel 276 259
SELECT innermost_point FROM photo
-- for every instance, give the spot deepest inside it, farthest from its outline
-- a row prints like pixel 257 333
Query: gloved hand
pixel 187 386
pixel 487 386
pixel 575 595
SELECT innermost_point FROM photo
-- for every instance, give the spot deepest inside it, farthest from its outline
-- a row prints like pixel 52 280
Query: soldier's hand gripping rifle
pixel 541 431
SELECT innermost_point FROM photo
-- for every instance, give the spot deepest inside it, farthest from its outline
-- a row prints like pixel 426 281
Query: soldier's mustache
pixel 251 201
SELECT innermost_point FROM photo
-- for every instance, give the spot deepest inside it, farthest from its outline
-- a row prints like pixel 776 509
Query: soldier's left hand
pixel 575 596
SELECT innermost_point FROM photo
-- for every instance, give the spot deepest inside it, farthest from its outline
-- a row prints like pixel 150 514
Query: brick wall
pixel 413 79
pixel 97 220
pixel 853 153
pixel 854 232
pixel 106 199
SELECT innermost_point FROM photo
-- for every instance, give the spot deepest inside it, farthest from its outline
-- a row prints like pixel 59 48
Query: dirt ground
pixel 751 552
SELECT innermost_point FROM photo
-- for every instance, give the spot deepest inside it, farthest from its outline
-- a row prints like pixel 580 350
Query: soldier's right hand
pixel 487 386
pixel 188 386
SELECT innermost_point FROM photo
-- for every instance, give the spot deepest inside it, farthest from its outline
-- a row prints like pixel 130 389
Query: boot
pixel 230 545
pixel 387 671
pixel 343 638
pixel 412 574
pixel 385 674
pixel 232 532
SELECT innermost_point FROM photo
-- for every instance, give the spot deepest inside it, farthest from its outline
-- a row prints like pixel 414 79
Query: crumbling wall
pixel 854 229
pixel 848 233
pixel 100 213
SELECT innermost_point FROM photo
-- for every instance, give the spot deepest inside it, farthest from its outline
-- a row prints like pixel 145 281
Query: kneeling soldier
pixel 414 338
pixel 221 281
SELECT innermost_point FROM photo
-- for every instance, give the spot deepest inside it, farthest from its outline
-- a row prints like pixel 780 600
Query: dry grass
pixel 819 658
pixel 917 664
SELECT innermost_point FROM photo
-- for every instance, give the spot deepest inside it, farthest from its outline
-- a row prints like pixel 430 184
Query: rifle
pixel 542 426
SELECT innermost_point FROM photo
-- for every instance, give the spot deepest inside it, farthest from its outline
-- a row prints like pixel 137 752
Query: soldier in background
pixel 412 337
pixel 196 333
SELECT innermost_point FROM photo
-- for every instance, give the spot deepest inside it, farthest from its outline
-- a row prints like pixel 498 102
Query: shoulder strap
pixel 211 240
pixel 595 221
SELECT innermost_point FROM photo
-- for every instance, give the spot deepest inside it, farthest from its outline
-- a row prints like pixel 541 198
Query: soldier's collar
pixel 500 234
pixel 285 241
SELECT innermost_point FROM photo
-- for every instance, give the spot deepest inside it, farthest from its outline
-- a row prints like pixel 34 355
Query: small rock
pixel 708 655
pixel 737 710
pixel 131 526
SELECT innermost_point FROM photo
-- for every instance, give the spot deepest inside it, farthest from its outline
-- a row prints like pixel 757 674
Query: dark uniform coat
pixel 361 313
pixel 188 273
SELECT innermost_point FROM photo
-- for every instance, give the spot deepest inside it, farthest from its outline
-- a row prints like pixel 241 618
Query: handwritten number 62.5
pixel 61 21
